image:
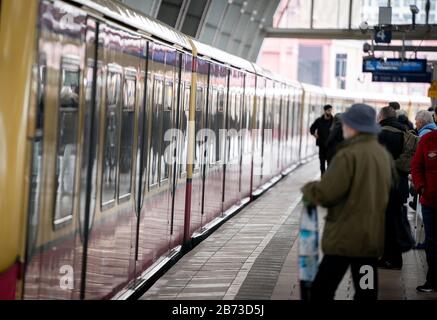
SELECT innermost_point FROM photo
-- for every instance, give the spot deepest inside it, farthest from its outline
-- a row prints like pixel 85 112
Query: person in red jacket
pixel 424 174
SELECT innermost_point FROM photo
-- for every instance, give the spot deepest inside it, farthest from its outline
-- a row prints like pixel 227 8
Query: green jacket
pixel 355 189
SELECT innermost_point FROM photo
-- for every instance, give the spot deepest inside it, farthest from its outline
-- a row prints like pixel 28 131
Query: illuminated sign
pixel 395 65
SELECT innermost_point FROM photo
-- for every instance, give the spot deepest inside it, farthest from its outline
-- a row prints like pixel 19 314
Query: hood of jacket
pixel 428 128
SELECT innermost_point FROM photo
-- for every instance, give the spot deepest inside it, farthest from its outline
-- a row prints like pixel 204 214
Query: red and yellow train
pixel 90 204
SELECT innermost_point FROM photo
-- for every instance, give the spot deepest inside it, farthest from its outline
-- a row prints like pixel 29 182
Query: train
pixel 122 141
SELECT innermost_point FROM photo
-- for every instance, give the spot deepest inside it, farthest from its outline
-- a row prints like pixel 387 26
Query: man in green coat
pixel 355 190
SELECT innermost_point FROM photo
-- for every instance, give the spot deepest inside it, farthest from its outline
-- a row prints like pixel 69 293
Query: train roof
pixel 222 56
pixel 343 94
pixel 313 88
pixel 119 12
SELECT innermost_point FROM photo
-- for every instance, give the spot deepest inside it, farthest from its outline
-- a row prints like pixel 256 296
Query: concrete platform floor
pixel 254 256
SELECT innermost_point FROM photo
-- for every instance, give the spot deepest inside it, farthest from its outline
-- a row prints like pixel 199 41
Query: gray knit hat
pixel 362 118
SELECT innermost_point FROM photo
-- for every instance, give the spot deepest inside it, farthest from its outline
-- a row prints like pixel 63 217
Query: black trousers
pixel 323 156
pixel 395 208
pixel 332 270
pixel 430 223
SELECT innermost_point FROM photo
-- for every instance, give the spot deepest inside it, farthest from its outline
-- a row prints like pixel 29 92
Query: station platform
pixel 253 256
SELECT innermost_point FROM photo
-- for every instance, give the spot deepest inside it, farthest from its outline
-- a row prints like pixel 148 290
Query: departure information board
pixel 395 65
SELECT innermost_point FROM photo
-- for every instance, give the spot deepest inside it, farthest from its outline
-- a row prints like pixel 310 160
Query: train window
pixel 127 136
pixel 221 101
pixel 198 121
pixel 168 101
pixel 219 124
pixel 113 97
pixel 212 146
pixel 199 99
pixel 187 95
pixel 66 149
pixel 246 122
pixel 158 97
pixel 231 125
pixel 167 124
pixel 237 124
pixel 184 128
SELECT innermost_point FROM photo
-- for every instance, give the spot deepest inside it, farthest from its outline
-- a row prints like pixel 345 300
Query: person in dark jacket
pixel 320 130
pixel 394 143
pixel 403 120
pixel 424 174
pixel 335 138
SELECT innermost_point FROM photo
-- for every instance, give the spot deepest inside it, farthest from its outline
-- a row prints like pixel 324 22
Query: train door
pixel 284 128
pixel 53 252
pixel 213 166
pixel 258 117
pixel 109 255
pixel 197 218
pixel 268 132
pixel 180 166
pixel 246 135
pixel 276 118
pixel 290 96
pixel 155 222
pixel 232 154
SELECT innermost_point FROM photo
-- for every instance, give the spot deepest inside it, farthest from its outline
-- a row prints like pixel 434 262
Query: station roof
pixel 353 19
pixel 234 26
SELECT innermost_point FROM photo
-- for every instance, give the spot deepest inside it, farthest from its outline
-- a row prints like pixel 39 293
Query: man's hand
pixel 315 135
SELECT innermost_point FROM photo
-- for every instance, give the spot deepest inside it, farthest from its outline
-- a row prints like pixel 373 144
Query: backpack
pixel 409 149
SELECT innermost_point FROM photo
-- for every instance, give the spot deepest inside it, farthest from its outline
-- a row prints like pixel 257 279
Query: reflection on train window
pixel 220 125
pixel 158 97
pixel 66 149
pixel 168 101
pixel 199 108
pixel 199 99
pixel 187 98
pixel 167 124
pixel 231 120
pixel 184 129
pixel 113 95
pixel 245 122
pixel 127 137
pixel 212 140
pixel 221 101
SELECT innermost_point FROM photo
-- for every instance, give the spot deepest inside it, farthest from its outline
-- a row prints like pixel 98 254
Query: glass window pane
pixel 199 108
pixel 167 124
pixel 212 125
pixel 158 97
pixel 113 96
pixel 66 142
pixel 184 126
pixel 127 137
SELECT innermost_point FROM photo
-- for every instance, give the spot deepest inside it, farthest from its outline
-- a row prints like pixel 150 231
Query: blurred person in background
pixel 320 130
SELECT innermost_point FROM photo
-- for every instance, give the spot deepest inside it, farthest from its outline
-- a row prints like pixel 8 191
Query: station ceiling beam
pixel 348 34
pixel 405 48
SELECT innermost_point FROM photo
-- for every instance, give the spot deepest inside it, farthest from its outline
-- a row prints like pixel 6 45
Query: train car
pixel 123 141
